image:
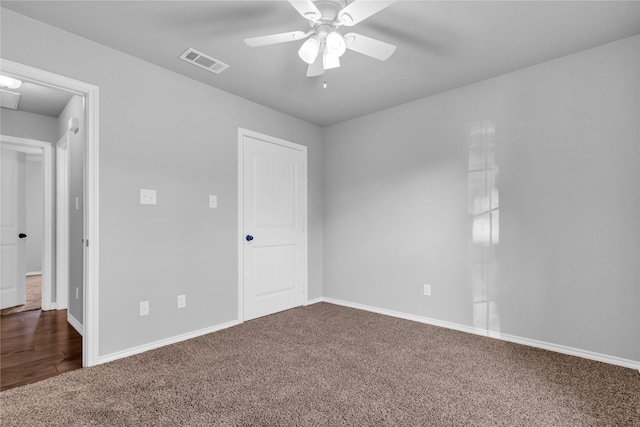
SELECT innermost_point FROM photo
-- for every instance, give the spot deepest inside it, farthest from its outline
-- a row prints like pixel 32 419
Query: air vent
pixel 203 61
pixel 9 99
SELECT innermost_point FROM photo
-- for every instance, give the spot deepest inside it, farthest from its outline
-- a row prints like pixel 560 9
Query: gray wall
pixel 163 131
pixel 549 154
pixel 28 125
pixel 35 213
pixel 75 109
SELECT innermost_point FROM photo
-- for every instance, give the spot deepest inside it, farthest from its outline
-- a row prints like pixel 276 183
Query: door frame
pixel 33 146
pixel 273 140
pixel 91 193
pixel 62 227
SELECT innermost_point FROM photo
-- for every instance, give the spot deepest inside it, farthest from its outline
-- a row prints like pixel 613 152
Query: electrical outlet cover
pixel 147 197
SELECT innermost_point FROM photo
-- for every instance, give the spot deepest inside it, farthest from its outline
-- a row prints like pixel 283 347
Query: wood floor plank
pixel 36 345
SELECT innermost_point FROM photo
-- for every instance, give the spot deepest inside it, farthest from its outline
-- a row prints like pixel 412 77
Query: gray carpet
pixel 34 297
pixel 327 365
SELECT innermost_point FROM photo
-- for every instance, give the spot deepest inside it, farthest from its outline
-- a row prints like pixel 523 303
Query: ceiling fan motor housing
pixel 329 10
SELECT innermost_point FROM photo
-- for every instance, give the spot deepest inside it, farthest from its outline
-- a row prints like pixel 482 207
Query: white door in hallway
pixel 273 224
pixel 13 218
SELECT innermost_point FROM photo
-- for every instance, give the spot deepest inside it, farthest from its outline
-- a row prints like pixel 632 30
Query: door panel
pixel 274 214
pixel 13 216
pixel 274 269
pixel 275 203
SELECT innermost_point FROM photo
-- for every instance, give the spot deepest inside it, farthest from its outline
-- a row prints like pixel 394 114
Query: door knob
pixel 22 235
pixel 249 237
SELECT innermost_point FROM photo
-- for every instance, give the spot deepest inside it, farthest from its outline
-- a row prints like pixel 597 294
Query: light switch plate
pixel 213 201
pixel 147 197
pixel 144 308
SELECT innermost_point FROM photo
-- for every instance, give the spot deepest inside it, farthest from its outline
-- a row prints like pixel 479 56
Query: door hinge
pixel 87 240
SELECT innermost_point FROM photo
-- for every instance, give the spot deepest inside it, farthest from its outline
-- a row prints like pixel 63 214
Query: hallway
pixel 37 345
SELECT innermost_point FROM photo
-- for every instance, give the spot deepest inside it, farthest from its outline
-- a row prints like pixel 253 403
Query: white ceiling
pixel 440 45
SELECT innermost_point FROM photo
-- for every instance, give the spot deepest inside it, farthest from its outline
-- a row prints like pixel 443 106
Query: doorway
pixel 30 328
pixel 272 197
pixel 89 195
pixel 22 227
pixel 27 165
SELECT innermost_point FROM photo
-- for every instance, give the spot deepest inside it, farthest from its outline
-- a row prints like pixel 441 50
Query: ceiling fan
pixel 325 45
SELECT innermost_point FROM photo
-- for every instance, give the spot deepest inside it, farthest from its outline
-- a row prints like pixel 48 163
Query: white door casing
pixel 13 218
pixel 90 351
pixel 62 221
pixel 273 212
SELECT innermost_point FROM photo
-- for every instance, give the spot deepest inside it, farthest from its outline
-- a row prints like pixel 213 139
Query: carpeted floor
pixel 34 297
pixel 328 365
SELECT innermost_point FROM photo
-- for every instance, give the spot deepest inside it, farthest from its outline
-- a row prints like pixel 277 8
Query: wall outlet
pixel 427 290
pixel 213 201
pixel 144 308
pixel 147 197
pixel 182 301
pixel 77 292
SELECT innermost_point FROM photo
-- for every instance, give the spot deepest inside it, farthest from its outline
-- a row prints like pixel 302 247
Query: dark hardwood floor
pixel 35 345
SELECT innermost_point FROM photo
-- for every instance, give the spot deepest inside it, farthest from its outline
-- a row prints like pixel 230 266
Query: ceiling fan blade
pixel 306 9
pixel 316 68
pixel 367 46
pixel 360 10
pixel 275 38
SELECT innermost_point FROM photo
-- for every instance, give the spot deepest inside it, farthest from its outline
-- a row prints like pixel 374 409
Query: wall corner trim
pixel 585 354
pixel 74 323
pixel 161 343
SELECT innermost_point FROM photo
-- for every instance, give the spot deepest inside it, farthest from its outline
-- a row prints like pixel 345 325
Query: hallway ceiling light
pixel 9 82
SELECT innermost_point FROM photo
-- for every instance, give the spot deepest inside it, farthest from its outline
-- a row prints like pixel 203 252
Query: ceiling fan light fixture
pixel 336 44
pixel 330 61
pixel 7 82
pixel 309 50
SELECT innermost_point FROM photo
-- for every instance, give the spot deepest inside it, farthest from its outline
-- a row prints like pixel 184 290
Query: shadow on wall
pixel 484 213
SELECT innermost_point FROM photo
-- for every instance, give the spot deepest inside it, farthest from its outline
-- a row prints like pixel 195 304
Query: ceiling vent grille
pixel 9 99
pixel 203 61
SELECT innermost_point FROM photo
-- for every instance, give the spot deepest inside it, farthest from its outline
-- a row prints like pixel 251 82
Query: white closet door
pixel 274 225
pixel 13 238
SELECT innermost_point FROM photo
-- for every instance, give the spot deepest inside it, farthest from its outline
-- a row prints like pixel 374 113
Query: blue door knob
pixel 249 237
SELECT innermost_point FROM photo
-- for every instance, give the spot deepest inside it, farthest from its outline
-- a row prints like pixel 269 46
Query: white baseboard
pixel 34 273
pixel 314 301
pixel 161 343
pixel 585 354
pixel 74 322
pixel 51 306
